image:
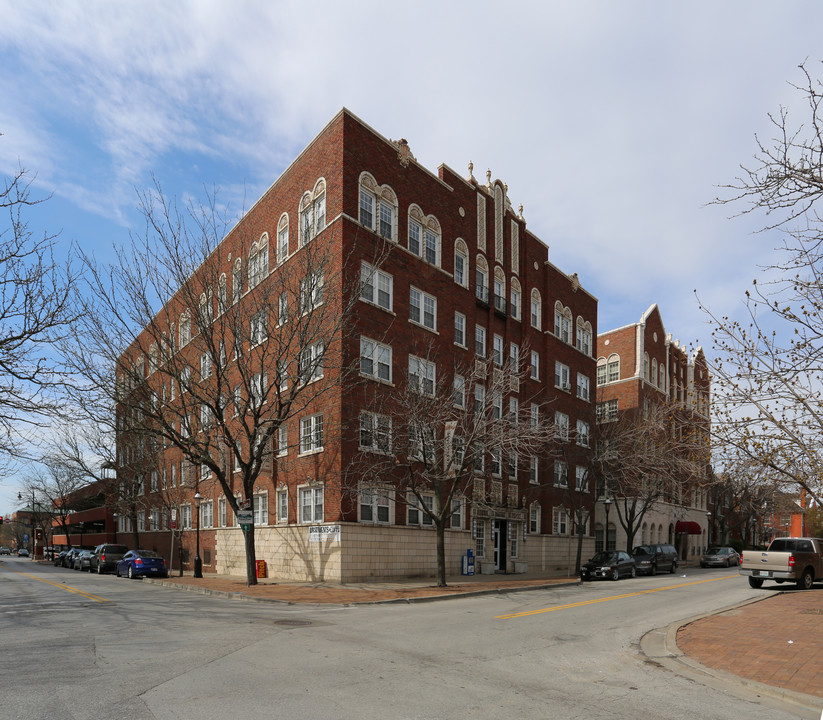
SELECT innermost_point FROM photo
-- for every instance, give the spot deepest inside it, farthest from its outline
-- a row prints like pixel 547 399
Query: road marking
pixel 62 586
pixel 612 597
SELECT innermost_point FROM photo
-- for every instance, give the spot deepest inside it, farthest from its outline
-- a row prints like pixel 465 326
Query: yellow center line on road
pixel 612 597
pixel 62 586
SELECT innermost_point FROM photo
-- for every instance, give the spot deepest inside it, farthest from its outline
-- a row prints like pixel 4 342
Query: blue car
pixel 146 563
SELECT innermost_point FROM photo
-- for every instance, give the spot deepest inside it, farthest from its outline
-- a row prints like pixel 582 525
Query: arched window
pixel 644 534
pixel 499 289
pixel 461 263
pixel 237 281
pixel 378 207
pixel 222 294
pixel 259 260
pixel 563 322
pixel 584 336
pixel 608 369
pixel 646 366
pixel 537 309
pixel 514 298
pixel 185 329
pixel 312 212
pixel 662 378
pixel 283 238
pixel 482 279
pixel 653 377
pixel 424 236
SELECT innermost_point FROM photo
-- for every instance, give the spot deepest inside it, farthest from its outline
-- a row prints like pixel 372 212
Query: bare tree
pixel 53 483
pixel 440 441
pixel 769 365
pixel 34 312
pixel 647 455
pixel 205 350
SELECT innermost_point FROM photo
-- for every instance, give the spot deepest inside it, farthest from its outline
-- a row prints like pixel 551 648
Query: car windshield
pixel 604 557
pixel 714 551
pixel 642 550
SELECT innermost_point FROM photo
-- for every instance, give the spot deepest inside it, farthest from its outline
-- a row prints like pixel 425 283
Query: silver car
pixel 720 557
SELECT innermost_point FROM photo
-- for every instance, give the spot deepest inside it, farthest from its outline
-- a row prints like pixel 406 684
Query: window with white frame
pixel 424 236
pixel 458 510
pixel 205 416
pixel 206 514
pixel 460 329
pixel 607 411
pixel 283 239
pixel 423 308
pixel 561 425
pixel 561 473
pixel 582 433
pixel 514 359
pixel 533 469
pixel 375 359
pixel 512 458
pixel 312 212
pixel 185 517
pixel 480 538
pixel 282 309
pixel 534 370
pixel 497 349
pixel 422 375
pixel 581 479
pixel 584 336
pixel 311 433
pixel 416 515
pixel 560 521
pixel 311 504
pixel 480 341
pixel 461 263
pixel 185 329
pixel 282 507
pixel 311 292
pixel 479 398
pixel 459 394
pixel 205 366
pixel 237 281
pixel 261 509
pixel 562 376
pixel 221 512
pixel 258 388
pixel 499 290
pixel 222 294
pixel 153 481
pixel 376 286
pixel 374 505
pixel 514 298
pixel 378 207
pixel 310 363
pixel 583 387
pixel 534 519
pixel 375 432
pixel 514 409
pixel 259 260
pixel 258 330
pixel 514 539
pixel 497 406
pixel 534 415
pixel 282 440
pixel 497 461
pixel 154 519
pixel 536 309
pixel 481 279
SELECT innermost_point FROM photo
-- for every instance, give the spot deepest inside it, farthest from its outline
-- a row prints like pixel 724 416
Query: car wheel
pixel 131 573
pixel 117 571
pixel 673 567
pixel 99 569
pixel 755 582
pixel 728 563
pixel 615 574
pixel 632 571
pixel 653 571
pixel 806 580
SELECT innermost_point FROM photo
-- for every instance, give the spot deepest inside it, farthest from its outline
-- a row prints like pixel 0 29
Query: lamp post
pixel 31 518
pixel 607 503
pixel 198 563
pixel 709 527
pixel 114 517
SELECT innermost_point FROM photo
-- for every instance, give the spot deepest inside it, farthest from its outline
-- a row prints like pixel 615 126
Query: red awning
pixel 688 527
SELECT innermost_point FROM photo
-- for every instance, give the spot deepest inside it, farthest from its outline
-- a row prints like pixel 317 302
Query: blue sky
pixel 612 123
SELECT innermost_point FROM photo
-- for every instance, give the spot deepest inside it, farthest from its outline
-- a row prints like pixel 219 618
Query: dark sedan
pixel 145 563
pixel 612 565
pixel 82 561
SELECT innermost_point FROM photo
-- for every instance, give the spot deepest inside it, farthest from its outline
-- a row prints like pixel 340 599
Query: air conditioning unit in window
pixel 565 386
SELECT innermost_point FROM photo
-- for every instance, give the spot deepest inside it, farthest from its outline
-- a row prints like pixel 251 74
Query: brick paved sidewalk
pixel 777 641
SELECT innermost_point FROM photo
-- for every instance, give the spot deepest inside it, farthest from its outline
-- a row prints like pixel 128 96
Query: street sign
pixel 244 517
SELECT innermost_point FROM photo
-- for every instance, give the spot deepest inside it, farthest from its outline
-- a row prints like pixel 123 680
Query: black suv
pixel 653 557
pixel 104 558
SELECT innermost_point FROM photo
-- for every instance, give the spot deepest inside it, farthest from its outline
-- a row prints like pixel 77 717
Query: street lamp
pixel 31 518
pixel 114 517
pixel 198 563
pixel 709 527
pixel 607 503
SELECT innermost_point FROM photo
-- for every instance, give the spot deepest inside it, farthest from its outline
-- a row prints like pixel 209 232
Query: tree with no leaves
pixel 205 350
pixel 437 443
pixel 769 366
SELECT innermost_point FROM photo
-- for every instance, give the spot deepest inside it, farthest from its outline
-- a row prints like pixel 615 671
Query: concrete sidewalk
pixel 770 647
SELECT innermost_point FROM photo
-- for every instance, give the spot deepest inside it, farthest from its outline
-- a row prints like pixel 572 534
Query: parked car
pixel 720 557
pixel 82 561
pixel 655 556
pixel 611 564
pixel 68 558
pixel 141 562
pixel 5 551
pixel 104 558
pixel 22 552
pixel 58 558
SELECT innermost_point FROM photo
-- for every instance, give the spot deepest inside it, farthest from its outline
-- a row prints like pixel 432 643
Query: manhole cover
pixel 293 623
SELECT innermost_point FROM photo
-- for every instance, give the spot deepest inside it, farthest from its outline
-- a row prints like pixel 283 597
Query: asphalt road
pixel 76 645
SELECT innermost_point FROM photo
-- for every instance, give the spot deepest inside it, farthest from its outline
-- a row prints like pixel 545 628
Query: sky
pixel 614 124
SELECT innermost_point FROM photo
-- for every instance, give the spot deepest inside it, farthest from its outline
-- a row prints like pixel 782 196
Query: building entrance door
pixel 499 538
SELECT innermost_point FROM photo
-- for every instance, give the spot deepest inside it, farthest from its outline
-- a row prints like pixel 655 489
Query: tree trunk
pixel 441 552
pixel 251 558
pixel 579 559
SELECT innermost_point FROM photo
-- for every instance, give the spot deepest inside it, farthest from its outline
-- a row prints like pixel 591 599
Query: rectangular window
pixel 561 473
pixel 375 359
pixel 561 376
pixel 534 519
pixel 311 292
pixel 534 371
pixel 479 398
pixel 374 505
pixel 415 238
pixel 375 432
pixel 601 375
pixel 561 425
pixel 282 309
pixel 386 228
pixel 185 517
pixel 258 389
pixel 366 209
pixel 311 505
pixel 282 441
pixel 534 415
pixel 417 515
pixel 582 433
pixel 533 466
pixel 480 538
pixel 376 287
pixel 583 388
pixel 282 507
pixel 607 411
pixel 613 370
pixel 497 350
pixel 261 510
pixel 560 521
pixel 514 358
pixel 258 331
pixel 459 329
pixel 432 248
pixel 205 366
pixel 480 341
pixel 311 433
pixel 221 512
pixel 207 514
pixel 283 244
pixel 422 375
pixel 581 479
pixel 459 396
pixel 460 269
pixel 457 514
pixel 423 309
pixel 310 363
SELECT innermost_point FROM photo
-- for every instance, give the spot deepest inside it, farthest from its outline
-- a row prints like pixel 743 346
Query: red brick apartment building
pixel 641 364
pixel 445 270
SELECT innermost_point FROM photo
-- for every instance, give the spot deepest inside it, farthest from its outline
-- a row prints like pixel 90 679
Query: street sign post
pixel 244 519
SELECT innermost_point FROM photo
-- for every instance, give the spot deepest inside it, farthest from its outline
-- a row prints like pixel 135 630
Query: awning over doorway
pixel 688 527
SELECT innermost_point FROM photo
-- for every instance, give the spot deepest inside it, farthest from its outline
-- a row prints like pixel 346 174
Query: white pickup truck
pixel 797 560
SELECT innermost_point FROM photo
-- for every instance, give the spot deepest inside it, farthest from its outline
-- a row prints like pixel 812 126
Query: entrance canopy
pixel 688 527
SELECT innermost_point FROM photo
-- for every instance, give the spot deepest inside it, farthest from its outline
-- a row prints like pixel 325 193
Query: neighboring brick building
pixel 447 269
pixel 639 364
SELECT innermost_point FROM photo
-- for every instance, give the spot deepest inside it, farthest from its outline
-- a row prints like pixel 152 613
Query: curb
pixel 389 601
pixel 660 646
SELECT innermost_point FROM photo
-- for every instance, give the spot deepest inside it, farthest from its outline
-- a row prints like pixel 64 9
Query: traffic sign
pixel 244 517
